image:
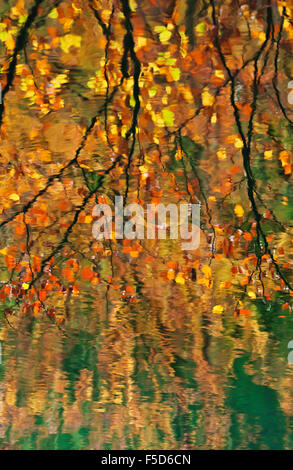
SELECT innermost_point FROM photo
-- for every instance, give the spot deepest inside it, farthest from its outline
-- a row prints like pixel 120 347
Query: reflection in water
pixel 137 381
pixel 138 344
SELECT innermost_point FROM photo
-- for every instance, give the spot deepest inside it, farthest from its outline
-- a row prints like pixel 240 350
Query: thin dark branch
pixel 20 43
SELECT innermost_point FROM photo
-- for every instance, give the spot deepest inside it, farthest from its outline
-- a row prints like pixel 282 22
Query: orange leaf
pixel 247 236
pixel 129 289
pixel 67 272
pixel 172 264
pixel 87 274
pixel 244 311
pixel 42 294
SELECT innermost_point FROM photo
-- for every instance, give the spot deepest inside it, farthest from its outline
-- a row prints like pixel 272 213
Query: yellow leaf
pixel 218 309
pixel 3 34
pixel 44 155
pixel 206 98
pixel 219 74
pixel 152 91
pixel 221 154
pixel 14 197
pixel 168 117
pixel 141 42
pixel 251 294
pixel 238 210
pixel 10 397
pixel 200 29
pixel 175 72
pixel 180 279
pixel 238 143
pixel 10 43
pixel 205 282
pixel 171 274
pixel 25 285
pixel 285 201
pixel 53 14
pixel 207 271
pixel 268 155
pixel 88 219
pixel 165 36
pixel 70 40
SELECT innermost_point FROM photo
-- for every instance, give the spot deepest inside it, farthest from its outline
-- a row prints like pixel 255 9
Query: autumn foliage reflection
pixel 159 102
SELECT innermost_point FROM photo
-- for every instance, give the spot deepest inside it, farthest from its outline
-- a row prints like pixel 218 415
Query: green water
pixel 87 388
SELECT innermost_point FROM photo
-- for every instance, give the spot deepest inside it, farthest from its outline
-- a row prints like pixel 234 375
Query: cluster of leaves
pixel 103 98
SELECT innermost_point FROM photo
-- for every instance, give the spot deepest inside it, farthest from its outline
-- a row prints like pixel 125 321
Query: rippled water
pixel 127 380
pixel 142 345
